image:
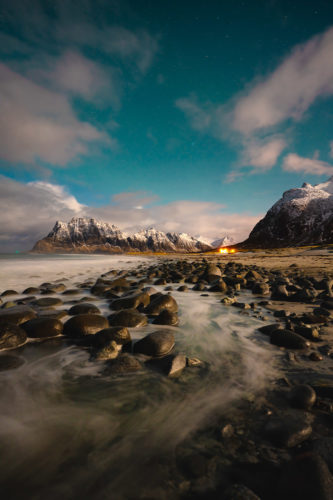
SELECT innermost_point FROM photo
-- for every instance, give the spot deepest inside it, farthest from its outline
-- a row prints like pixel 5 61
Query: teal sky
pixel 191 116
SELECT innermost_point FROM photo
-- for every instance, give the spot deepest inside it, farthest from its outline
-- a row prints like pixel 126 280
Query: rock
pixel 118 334
pixel 324 447
pixel 280 292
pixel 166 318
pixel 128 317
pixel 8 292
pixel 156 344
pixel 313 319
pixel 71 291
pixel 171 365
pixel 48 302
pixel 124 363
pixel 130 302
pixel 84 308
pixel 268 329
pixel 160 303
pixel 219 286
pixel 261 288
pixel 9 362
pixel 239 492
pixel 315 356
pixel 16 315
pixel 42 328
pixel 109 351
pixel 302 396
pixel 288 430
pixel 193 362
pixel 11 336
pixel 286 338
pixel 199 287
pixel 182 288
pixel 84 324
pixel 308 332
pixel 31 290
pixel 227 301
pixel 241 305
pixel 306 477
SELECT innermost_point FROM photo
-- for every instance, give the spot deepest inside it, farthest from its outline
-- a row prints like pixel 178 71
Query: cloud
pixel 37 124
pixel 29 211
pixel 198 117
pixel 269 102
pixel 294 163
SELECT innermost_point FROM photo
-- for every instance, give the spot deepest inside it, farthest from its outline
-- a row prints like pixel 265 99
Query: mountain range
pixel 87 235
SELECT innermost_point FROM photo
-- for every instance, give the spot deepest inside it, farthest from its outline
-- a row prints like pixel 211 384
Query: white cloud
pixel 289 91
pixel 39 124
pixel 283 96
pixel 29 211
pixel 294 163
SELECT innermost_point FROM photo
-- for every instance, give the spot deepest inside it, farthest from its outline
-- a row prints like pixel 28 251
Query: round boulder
pixel 16 315
pixel 118 334
pixel 130 302
pixel 160 303
pixel 48 302
pixel 11 336
pixel 286 338
pixel 156 344
pixel 302 396
pixel 39 328
pixel 83 308
pixel 84 324
pixel 128 317
pixel 124 363
pixel 166 318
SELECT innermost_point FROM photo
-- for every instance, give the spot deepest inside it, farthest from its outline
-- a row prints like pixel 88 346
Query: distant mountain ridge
pixel 88 235
pixel 303 216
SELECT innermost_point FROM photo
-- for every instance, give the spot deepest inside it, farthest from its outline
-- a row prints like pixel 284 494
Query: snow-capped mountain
pixel 303 216
pixel 223 242
pixel 89 235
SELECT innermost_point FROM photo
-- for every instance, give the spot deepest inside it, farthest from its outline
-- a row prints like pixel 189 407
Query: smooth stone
pixel 155 344
pixel 160 303
pixel 11 336
pixel 128 317
pixel 16 315
pixel 55 288
pixel 31 290
pixel 286 338
pixel 118 334
pixel 71 291
pixel 308 332
pixel 218 286
pixel 130 302
pixel 199 287
pixel 9 362
pixel 315 356
pixel 84 324
pixel 43 327
pixel 166 318
pixel 171 365
pixel 288 430
pixel 302 396
pixel 241 305
pixel 124 363
pixel 8 292
pixel 83 308
pixel 269 329
pixel 8 304
pixel 48 302
pixel 261 288
pixel 109 351
pixel 182 288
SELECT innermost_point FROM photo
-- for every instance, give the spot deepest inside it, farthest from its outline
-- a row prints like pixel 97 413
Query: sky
pixel 187 116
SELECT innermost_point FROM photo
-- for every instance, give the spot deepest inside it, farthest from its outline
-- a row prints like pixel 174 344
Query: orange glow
pixel 225 250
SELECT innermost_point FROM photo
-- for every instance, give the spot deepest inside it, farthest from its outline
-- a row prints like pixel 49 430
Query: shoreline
pixel 270 430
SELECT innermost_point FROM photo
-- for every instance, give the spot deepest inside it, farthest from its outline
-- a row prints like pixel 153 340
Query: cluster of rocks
pixel 286 431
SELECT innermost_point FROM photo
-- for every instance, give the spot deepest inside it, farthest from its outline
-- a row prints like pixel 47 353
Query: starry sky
pixel 187 116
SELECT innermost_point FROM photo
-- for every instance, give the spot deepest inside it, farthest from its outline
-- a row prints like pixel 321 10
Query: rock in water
pixel 16 315
pixel 286 338
pixel 156 344
pixel 124 363
pixel 9 362
pixel 83 308
pixel 128 318
pixel 118 334
pixel 43 328
pixel 288 430
pixel 160 303
pixel 11 336
pixel 302 396
pixel 84 324
pixel 166 318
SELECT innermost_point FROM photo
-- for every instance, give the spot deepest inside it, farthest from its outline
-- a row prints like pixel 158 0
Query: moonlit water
pixel 69 431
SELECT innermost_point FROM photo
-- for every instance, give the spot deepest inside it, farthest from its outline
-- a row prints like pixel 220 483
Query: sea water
pixel 68 430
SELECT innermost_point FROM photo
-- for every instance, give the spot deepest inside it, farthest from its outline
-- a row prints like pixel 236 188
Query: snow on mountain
pixel 302 216
pixel 90 235
pixel 223 242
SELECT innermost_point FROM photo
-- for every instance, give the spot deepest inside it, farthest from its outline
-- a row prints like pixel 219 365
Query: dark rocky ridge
pixel 303 216
pixel 84 235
